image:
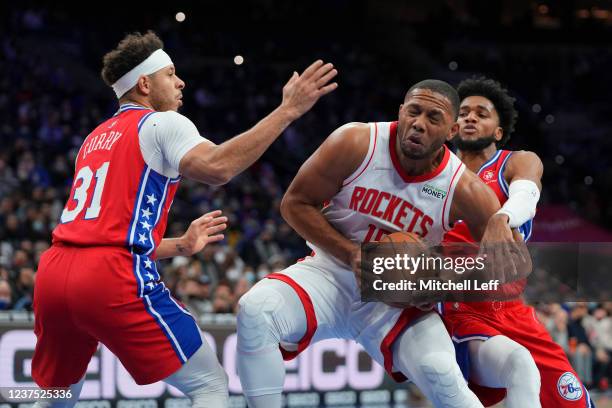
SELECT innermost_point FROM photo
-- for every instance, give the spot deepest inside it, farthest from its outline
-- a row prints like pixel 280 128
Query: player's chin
pixel 415 152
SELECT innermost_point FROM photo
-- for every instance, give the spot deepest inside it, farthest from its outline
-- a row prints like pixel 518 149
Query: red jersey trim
pixel 311 318
pixel 369 160
pixel 404 320
pixel 398 167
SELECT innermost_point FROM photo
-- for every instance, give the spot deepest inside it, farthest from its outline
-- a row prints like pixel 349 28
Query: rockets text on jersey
pixel 380 198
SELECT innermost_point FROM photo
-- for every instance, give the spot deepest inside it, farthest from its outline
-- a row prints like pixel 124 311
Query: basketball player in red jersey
pixel 99 283
pixel 371 179
pixel 502 344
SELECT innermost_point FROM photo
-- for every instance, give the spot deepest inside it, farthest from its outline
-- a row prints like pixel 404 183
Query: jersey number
pixel 375 234
pixel 80 194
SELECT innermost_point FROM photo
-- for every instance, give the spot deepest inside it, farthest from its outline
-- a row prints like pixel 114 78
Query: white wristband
pixel 523 196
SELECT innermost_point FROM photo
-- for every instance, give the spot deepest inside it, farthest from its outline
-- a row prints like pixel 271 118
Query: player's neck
pixel 475 159
pixel 136 101
pixel 417 167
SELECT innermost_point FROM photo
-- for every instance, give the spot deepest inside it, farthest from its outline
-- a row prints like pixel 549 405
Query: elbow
pixel 217 174
pixel 286 207
pixel 208 172
pixel 220 177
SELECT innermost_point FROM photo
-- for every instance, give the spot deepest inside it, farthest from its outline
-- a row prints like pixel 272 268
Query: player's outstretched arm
pixel 318 180
pixel 201 232
pixel 218 164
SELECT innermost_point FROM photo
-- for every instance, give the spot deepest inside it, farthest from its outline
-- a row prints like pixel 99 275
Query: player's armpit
pixel 318 180
pixel 524 165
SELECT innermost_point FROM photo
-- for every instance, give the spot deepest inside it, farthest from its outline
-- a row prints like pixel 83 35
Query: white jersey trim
pixel 368 157
pixel 448 201
pixel 164 138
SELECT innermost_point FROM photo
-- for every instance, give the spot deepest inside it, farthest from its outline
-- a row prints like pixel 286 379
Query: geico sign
pixel 324 366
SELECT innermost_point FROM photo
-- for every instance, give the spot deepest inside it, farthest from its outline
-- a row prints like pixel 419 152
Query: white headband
pixel 156 61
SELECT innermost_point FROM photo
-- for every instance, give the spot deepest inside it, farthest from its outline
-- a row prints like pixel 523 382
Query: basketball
pixel 402 237
pixel 409 243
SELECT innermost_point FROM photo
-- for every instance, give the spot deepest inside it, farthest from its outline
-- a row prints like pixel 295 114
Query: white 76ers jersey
pixel 379 198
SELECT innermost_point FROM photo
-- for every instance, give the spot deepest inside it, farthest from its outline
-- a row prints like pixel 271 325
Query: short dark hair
pixel 441 87
pixel 499 97
pixel 131 51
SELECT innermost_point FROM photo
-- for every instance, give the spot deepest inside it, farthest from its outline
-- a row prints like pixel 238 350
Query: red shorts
pixel 88 295
pixel 479 321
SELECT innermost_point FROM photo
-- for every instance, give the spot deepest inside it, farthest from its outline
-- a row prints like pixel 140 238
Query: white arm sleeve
pixel 523 196
pixel 165 137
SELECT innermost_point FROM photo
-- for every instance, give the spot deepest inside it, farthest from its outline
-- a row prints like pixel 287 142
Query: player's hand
pixel 363 273
pixel 355 260
pixel 507 256
pixel 203 231
pixel 301 92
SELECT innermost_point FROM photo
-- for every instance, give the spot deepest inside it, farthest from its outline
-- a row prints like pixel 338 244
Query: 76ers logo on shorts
pixel 569 387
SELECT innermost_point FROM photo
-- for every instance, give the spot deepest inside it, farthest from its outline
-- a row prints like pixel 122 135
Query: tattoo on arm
pixel 181 249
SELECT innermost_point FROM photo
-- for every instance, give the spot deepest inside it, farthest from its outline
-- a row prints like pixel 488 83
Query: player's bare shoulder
pixel 346 147
pixel 524 164
pixel 352 136
pixel 524 155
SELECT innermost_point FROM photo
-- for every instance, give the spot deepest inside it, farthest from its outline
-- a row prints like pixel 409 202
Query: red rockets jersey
pixel 116 199
pixel 492 174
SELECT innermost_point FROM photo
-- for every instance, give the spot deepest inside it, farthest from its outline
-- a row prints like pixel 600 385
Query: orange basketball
pixel 402 237
pixel 405 243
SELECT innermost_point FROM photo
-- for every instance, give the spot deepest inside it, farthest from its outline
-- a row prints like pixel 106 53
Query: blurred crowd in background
pixel 51 96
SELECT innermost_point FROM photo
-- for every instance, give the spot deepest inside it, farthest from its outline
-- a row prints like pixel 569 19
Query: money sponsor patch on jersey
pixel 433 191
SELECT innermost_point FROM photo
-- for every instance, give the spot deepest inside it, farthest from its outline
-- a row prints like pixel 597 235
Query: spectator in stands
pixel 194 292
pixel 223 298
pixel 599 327
pixel 557 327
pixel 5 295
pixel 581 354
pixel 24 288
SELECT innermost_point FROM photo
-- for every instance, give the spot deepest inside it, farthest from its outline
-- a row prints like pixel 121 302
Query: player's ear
pixel 144 84
pixel 499 133
pixel 453 131
pixel 400 109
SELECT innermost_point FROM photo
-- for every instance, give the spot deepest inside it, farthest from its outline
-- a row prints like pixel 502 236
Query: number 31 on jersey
pixel 80 194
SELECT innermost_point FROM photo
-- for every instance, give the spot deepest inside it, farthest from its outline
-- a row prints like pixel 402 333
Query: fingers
pixel 322 71
pixel 216 238
pixel 216 221
pixel 308 72
pixel 206 218
pixel 215 229
pixel 327 89
pixel 292 80
pixel 326 78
